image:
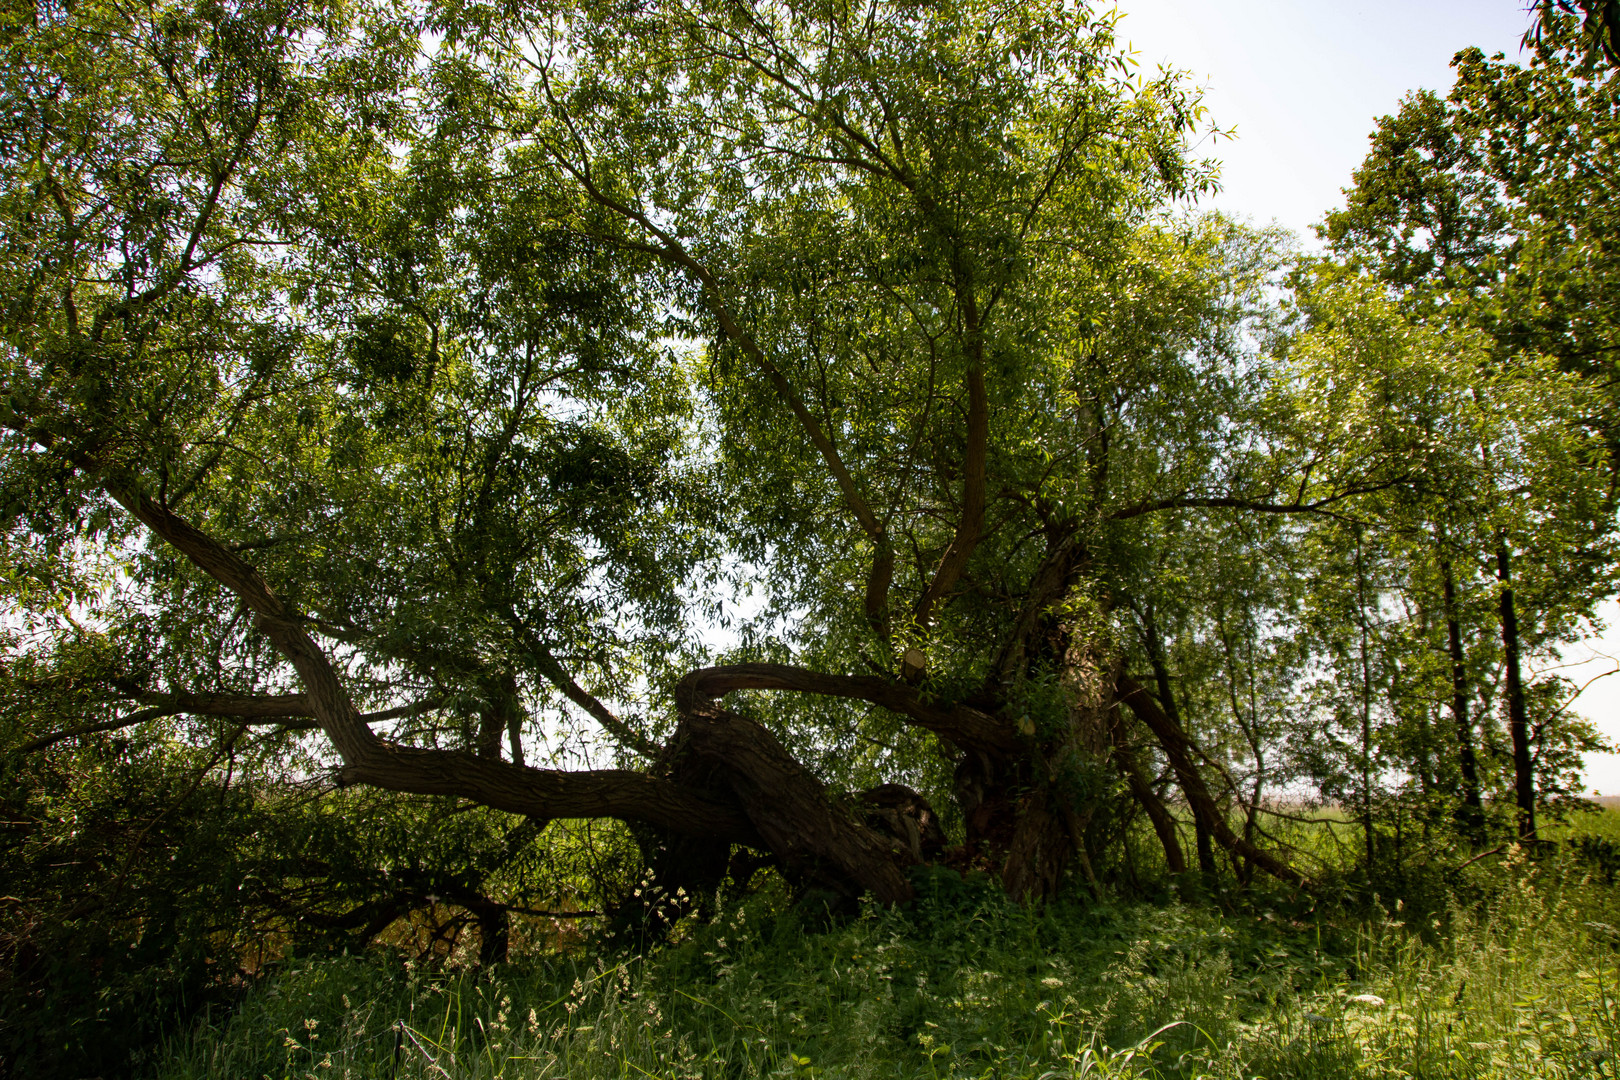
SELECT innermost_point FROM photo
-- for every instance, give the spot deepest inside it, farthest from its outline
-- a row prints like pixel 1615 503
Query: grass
pixel 1522 981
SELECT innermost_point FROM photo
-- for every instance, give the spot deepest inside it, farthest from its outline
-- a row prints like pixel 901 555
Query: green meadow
pixel 1514 973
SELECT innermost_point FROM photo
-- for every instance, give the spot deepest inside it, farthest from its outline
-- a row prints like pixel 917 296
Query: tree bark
pixel 788 807
pixel 500 715
pixel 962 724
pixel 1471 815
pixel 1524 779
pixel 1167 701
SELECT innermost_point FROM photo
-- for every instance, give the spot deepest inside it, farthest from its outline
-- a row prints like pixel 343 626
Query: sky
pixel 1303 82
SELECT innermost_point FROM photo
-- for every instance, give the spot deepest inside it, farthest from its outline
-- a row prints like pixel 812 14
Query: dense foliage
pixel 471 470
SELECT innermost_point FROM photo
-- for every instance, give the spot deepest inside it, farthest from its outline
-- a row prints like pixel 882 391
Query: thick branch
pixel 789 806
pixel 599 793
pixel 367 759
pixel 1047 587
pixel 971 523
pixel 962 725
pixel 877 587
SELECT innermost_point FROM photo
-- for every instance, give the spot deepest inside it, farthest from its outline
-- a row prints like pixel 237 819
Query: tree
pixel 373 341
pixel 1595 24
pixel 1487 211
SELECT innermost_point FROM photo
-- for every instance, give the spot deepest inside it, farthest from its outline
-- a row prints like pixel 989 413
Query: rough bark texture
pixel 961 724
pixel 789 809
pixel 905 816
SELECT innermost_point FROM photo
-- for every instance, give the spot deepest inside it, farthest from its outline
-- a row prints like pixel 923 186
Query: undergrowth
pixel 963 984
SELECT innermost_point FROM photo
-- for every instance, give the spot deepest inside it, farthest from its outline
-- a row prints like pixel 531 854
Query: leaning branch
pixel 289 711
pixel 1259 506
pixel 368 759
pixel 1178 747
pixel 965 726
pixel 970 525
pixel 558 676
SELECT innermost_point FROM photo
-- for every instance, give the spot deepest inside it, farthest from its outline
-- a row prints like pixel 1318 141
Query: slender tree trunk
pixel 1163 824
pixel 499 716
pixel 494 931
pixel 1204 839
pixel 1471 816
pixel 1524 780
pixel 1167 700
pixel 1366 707
pixel 1180 750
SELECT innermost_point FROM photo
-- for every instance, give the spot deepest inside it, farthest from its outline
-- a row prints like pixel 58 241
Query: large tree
pixel 460 386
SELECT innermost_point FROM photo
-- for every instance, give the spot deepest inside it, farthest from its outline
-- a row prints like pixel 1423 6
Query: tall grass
pixel 962 984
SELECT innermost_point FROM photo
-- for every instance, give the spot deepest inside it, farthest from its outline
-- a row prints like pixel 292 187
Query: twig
pixel 432 1061
pixel 1494 851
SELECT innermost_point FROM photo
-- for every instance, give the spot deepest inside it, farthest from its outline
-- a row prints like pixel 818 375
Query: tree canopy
pixel 812 436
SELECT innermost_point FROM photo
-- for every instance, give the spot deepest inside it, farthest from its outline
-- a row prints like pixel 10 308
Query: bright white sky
pixel 1303 82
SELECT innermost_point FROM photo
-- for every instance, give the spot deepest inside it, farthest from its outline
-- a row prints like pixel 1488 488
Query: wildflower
pixel 1368 999
pixel 1051 982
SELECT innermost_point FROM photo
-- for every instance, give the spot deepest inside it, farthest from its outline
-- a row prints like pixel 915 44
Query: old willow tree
pixel 429 384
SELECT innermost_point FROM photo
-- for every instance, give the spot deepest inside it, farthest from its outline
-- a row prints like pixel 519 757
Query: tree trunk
pixel 494 924
pixel 499 716
pixel 1167 701
pixel 1179 749
pixel 1524 780
pixel 1366 709
pixel 813 839
pixel 1202 836
pixel 1048 825
pixel 1471 815
pixel 1163 824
